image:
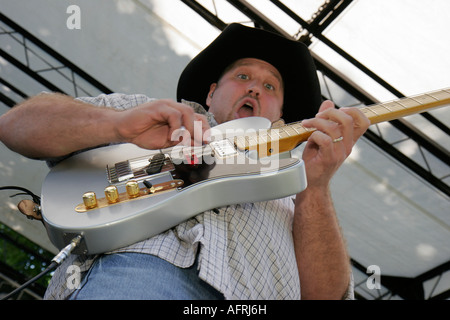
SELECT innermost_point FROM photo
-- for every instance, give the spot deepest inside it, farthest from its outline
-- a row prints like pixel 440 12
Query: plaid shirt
pixel 245 251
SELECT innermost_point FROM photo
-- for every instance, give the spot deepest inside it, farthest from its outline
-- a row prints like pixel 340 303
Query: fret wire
pixel 385 106
pixel 416 101
pixel 303 127
pixel 431 96
pixel 295 129
pixel 276 131
pixel 441 94
pixel 405 100
pixel 307 129
pixel 373 111
pixel 273 133
pixel 402 106
pixel 286 132
pixel 381 109
pixel 396 105
pixel 254 138
pixel 364 110
pixel 262 138
pixel 426 98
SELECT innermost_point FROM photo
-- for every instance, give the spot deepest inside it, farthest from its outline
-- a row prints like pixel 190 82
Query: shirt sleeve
pixel 350 293
pixel 118 101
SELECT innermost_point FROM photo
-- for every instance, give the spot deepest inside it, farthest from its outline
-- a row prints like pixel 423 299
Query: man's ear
pixel 212 88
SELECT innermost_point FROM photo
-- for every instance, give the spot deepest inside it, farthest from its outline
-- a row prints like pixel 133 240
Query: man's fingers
pixel 360 121
pixel 344 126
pixel 185 123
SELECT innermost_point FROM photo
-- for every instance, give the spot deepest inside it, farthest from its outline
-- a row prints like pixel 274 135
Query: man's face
pixel 251 87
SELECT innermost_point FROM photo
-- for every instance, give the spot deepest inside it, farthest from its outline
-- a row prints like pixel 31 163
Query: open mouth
pixel 248 109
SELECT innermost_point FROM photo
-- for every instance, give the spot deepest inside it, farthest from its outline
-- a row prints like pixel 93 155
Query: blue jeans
pixel 136 276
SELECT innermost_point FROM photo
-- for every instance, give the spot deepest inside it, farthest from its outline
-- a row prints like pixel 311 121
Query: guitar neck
pixel 406 106
pixel 289 136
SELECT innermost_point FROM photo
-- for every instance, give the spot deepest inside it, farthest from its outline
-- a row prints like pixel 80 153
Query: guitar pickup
pixel 120 172
pixel 156 164
pixel 138 168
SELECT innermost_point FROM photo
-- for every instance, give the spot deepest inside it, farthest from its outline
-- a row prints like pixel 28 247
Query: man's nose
pixel 254 89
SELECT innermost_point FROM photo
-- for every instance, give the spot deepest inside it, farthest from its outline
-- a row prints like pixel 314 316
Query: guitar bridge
pixel 138 169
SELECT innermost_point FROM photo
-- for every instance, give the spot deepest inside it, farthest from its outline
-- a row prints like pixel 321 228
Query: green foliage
pixel 23 255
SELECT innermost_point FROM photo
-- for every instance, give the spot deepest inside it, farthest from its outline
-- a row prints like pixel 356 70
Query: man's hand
pixel 332 142
pixel 153 125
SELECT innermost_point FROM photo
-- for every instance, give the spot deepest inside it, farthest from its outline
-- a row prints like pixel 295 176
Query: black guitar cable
pixel 56 261
pixel 36 199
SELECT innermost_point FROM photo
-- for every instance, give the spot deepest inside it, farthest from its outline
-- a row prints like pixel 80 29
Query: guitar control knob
pixel 133 190
pixel 90 200
pixel 112 195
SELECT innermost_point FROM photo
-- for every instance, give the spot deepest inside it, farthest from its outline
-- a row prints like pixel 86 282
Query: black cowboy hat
pixel 292 59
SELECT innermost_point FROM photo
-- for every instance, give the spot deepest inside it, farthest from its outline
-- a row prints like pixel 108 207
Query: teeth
pixel 248 105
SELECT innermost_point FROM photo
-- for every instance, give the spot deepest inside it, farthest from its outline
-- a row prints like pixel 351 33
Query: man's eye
pixel 269 86
pixel 243 76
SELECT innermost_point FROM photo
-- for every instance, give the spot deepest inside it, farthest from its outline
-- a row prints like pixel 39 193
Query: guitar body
pixel 182 186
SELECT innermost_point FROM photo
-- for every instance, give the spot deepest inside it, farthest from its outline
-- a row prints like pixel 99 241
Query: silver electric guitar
pixel 117 195
pixel 121 194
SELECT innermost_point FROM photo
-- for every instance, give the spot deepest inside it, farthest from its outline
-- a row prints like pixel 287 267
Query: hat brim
pixel 292 59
